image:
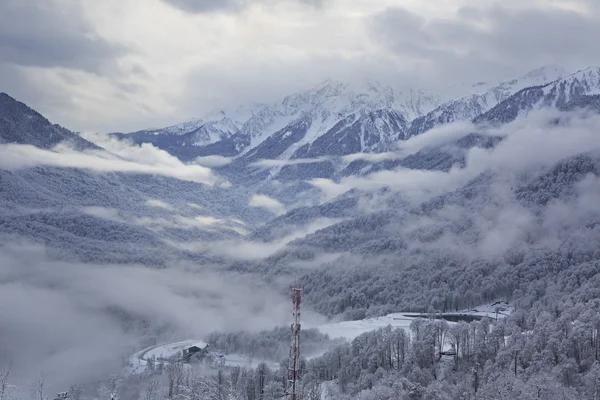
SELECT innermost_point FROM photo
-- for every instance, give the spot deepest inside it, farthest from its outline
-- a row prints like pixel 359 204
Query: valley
pixel 400 212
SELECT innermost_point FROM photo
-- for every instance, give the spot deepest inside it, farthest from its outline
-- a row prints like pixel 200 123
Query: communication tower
pixel 294 363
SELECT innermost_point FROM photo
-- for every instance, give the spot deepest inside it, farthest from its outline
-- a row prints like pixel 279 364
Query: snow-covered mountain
pixel 183 140
pixel 483 97
pixel 330 108
pixel 376 113
pixel 333 119
pixel 574 90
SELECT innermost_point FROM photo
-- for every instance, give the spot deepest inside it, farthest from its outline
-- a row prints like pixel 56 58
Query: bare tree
pixel 4 374
pixel 75 392
pixel 39 389
pixel 175 378
pixel 115 385
pixel 111 390
pixel 151 392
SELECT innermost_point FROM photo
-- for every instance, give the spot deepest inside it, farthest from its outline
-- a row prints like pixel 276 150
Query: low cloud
pixel 372 157
pixel 241 249
pixel 530 142
pixel 169 220
pixel 266 202
pixel 436 137
pixel 108 213
pixel 269 163
pixel 206 223
pixel 213 161
pixel 439 136
pixel 159 204
pixel 120 156
pixel 69 314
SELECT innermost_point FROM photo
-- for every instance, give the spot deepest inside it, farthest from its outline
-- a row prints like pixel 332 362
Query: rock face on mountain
pixel 20 124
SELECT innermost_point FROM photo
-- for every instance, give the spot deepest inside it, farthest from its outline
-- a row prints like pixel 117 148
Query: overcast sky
pixel 121 65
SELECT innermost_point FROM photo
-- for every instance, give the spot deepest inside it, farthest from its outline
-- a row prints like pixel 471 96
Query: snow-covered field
pixel 351 329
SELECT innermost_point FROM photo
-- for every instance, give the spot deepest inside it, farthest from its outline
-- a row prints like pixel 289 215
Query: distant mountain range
pixel 335 119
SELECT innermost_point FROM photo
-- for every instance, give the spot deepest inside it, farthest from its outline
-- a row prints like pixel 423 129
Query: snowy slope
pixel 348 330
pixel 351 329
pixel 185 140
pixel 335 118
pixel 326 105
pixel 560 94
pixel 166 352
pixel 483 98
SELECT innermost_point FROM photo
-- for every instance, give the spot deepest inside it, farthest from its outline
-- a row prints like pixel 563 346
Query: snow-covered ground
pixel 345 329
pixel 351 329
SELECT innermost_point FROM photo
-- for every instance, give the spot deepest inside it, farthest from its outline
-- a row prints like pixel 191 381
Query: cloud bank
pixel 120 157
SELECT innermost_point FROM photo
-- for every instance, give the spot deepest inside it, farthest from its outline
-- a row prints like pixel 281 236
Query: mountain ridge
pixel 346 119
pixel 21 124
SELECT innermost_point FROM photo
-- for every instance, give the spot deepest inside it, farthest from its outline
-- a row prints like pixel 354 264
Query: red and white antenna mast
pixel 294 366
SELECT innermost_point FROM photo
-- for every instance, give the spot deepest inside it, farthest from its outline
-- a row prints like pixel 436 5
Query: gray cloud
pixel 203 6
pixel 487 40
pixel 105 66
pixel 51 34
pixel 244 249
pixel 120 157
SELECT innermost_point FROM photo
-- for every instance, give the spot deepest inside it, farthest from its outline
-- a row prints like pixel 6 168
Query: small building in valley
pixel 195 352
